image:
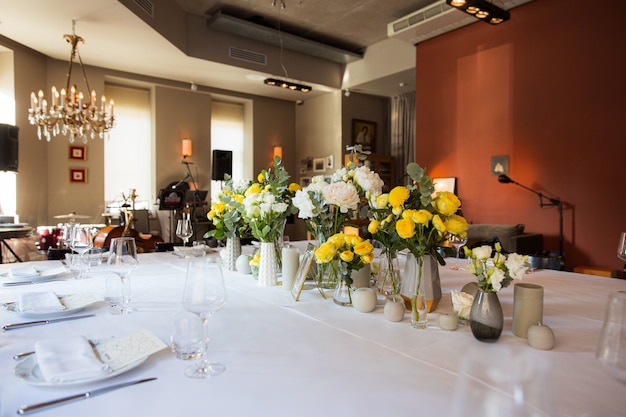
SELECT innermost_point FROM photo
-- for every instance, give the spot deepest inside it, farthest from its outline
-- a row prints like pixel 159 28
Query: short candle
pixel 448 321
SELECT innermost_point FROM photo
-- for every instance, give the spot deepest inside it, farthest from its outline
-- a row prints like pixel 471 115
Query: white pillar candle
pixel 394 309
pixel 448 321
pixel 291 261
pixel 364 299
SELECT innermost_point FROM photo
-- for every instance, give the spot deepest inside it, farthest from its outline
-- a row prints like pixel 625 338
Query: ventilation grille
pixel 248 56
pixel 146 5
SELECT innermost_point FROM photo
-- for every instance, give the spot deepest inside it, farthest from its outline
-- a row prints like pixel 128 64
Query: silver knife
pixel 38 322
pixel 25 409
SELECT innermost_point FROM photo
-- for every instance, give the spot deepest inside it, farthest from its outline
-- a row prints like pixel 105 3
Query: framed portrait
pixel 500 165
pixel 303 271
pixel 364 134
pixel 319 164
pixel 78 152
pixel 78 175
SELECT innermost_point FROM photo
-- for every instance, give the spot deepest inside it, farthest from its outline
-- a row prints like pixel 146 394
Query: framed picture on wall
pixel 319 164
pixel 78 152
pixel 364 134
pixel 78 175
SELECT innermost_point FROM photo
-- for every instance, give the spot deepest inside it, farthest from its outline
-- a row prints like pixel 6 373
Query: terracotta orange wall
pixel 547 88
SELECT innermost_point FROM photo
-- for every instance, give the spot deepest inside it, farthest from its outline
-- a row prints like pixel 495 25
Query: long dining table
pixel 310 357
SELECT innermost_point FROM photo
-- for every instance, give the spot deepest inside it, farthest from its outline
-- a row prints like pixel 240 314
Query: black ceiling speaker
pixel 8 147
pixel 222 164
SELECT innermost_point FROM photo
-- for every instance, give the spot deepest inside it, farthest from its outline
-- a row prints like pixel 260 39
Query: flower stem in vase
pixel 419 316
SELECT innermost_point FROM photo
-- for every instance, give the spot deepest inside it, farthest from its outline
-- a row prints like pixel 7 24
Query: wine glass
pixel 122 260
pixel 611 349
pixel 621 247
pixel 457 242
pixel 81 241
pixel 204 294
pixel 184 230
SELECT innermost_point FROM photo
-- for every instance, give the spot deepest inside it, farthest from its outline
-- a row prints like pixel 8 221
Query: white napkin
pixel 68 359
pixel 39 302
pixel 23 271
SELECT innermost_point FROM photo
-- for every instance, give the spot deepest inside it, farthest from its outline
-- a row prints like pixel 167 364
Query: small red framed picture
pixel 78 175
pixel 78 152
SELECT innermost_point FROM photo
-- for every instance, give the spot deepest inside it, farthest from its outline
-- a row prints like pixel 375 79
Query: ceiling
pixel 117 38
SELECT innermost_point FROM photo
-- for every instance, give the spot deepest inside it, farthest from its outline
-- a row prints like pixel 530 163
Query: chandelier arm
pixel 82 67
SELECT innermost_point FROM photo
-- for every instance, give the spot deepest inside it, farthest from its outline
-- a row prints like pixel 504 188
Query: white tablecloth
pixel 312 357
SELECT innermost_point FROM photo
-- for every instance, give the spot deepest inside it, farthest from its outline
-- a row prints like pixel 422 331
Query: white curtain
pixel 403 133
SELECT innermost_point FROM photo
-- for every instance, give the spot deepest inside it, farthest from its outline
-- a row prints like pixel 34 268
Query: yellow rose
pixel 397 210
pixel 457 225
pixel 293 187
pixel 346 256
pixel 363 248
pixel 239 198
pixel 439 224
pixel 337 240
pixel 407 214
pixel 253 189
pixel 260 177
pixel 325 253
pixel 422 217
pixel 219 207
pixel 447 203
pixel 373 226
pixel 255 260
pixel 405 228
pixel 398 196
pixel 211 214
pixel 382 201
pixel 367 258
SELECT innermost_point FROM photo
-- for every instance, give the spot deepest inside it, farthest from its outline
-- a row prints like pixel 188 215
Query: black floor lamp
pixel 544 202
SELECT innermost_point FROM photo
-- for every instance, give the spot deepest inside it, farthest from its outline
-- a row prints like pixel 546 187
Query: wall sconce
pixel 278 152
pixel 186 148
pixel 481 10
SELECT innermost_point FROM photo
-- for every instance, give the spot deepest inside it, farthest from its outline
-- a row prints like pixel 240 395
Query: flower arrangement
pixel 416 218
pixel 267 203
pixel 345 253
pixel 328 206
pixel 494 277
pixel 226 212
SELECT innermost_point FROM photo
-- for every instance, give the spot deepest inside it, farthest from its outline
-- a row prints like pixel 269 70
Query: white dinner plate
pixel 52 314
pixel 28 370
pixel 39 274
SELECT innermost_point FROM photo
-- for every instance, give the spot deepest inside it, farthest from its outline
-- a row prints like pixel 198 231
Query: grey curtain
pixel 403 133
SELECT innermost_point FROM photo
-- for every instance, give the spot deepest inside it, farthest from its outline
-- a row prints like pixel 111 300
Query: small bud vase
pixel 232 251
pixel 267 264
pixel 342 295
pixel 486 317
pixel 419 314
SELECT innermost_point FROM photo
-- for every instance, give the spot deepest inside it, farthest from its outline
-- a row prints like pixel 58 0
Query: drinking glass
pixel 184 230
pixel 187 339
pixel 204 294
pixel 114 294
pixel 457 242
pixel 123 260
pixel 81 241
pixel 611 349
pixel 621 247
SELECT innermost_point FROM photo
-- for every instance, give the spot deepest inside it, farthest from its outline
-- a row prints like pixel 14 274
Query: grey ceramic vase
pixel 486 317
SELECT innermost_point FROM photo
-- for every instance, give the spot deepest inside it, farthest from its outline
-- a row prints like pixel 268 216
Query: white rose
pixel 368 180
pixel 280 207
pixel 482 253
pixel 497 275
pixel 517 265
pixel 303 203
pixel 341 194
pixel 462 303
pixel 339 175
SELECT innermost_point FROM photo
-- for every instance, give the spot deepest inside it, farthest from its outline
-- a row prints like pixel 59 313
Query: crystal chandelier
pixel 69 112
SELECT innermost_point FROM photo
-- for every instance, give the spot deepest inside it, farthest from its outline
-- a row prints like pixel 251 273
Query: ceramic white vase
pixel 267 264
pixel 231 253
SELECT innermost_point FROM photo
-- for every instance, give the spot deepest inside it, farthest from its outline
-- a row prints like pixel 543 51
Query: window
pixel 8 205
pixel 227 134
pixel 128 149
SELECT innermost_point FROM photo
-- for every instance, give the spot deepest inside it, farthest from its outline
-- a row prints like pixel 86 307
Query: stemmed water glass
pixel 457 242
pixel 123 260
pixel 204 294
pixel 81 241
pixel 621 247
pixel 184 230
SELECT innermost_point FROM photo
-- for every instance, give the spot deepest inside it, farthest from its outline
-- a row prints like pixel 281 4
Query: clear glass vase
pixel 231 252
pixel 342 295
pixel 389 279
pixel 419 314
pixel 486 316
pixel 267 264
